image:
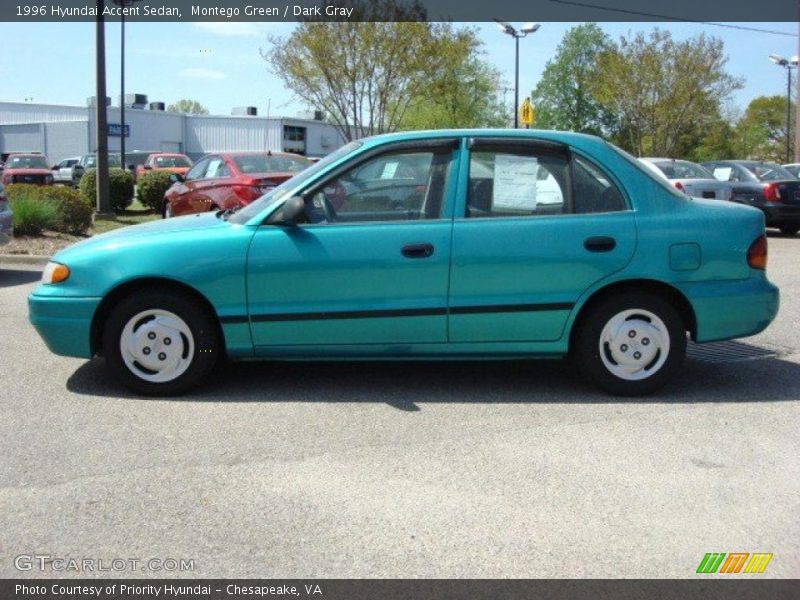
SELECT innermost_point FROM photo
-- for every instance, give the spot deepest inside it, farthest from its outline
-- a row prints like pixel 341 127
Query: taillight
pixel 772 193
pixel 679 185
pixel 757 253
pixel 246 193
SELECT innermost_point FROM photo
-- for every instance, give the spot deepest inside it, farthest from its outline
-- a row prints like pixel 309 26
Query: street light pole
pixel 523 31
pixel 787 64
pixel 122 91
pixel 100 121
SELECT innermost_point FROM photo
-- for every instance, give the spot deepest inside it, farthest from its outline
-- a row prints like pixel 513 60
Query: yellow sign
pixel 526 114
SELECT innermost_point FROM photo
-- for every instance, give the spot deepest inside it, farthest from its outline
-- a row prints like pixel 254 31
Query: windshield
pixel 682 169
pixel 768 171
pixel 280 192
pixel 90 161
pixel 270 163
pixel 35 161
pixel 166 162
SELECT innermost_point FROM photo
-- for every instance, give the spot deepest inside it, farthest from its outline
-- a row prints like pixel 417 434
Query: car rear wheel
pixel 160 343
pixel 790 229
pixel 631 344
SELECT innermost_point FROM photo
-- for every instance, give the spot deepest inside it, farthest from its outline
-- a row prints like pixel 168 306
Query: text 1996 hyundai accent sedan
pixel 445 244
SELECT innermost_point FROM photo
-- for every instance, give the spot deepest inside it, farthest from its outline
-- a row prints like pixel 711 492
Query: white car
pixel 63 172
pixel 690 178
pixel 793 168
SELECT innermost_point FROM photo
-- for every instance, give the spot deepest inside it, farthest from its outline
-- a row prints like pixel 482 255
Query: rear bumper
pixel 64 323
pixel 732 309
pixel 781 214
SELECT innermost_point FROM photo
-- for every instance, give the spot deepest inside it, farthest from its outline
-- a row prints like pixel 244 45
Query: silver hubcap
pixel 157 345
pixel 634 344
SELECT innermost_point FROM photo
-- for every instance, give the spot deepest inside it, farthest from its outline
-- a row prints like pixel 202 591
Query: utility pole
pixel 100 121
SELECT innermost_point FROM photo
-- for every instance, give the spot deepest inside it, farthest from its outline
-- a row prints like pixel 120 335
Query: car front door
pixel 366 268
pixel 535 227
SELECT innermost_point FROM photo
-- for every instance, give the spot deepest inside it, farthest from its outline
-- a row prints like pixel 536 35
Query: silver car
pixel 692 179
pixel 793 168
pixel 6 222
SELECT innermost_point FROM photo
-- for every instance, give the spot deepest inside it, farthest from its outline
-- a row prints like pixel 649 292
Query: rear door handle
pixel 600 243
pixel 421 250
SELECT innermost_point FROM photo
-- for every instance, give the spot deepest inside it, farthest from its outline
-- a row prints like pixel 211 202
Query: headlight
pixel 55 273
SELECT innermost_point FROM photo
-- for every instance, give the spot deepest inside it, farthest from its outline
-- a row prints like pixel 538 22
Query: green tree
pixel 563 98
pixel 761 132
pixel 462 92
pixel 364 74
pixel 662 90
pixel 188 107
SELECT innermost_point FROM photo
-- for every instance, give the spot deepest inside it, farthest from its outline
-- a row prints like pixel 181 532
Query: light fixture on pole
pixel 787 64
pixel 527 28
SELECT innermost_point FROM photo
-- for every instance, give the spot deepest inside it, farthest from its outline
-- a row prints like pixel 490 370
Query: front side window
pixel 198 170
pixel 397 186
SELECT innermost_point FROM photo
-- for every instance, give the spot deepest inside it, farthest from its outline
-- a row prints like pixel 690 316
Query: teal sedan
pixel 423 245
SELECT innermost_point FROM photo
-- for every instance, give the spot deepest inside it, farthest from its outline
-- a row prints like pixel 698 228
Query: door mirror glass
pixel 290 213
pixel 176 178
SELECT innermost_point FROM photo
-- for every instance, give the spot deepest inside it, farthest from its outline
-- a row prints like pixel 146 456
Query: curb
pixel 24 259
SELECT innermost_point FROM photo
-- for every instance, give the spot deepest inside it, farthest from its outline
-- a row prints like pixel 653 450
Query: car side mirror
pixel 147 168
pixel 54 168
pixel 177 178
pixel 289 213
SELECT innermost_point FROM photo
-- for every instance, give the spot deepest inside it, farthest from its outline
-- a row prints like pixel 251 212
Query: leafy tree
pixel 563 98
pixel 761 132
pixel 661 89
pixel 188 107
pixel 365 74
pixel 463 92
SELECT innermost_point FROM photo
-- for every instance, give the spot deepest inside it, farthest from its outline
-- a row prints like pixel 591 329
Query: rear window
pixel 166 162
pixel 266 163
pixel 768 171
pixel 682 169
pixel 35 161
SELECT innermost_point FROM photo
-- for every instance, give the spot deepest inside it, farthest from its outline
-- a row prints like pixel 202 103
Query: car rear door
pixel 535 227
pixel 363 273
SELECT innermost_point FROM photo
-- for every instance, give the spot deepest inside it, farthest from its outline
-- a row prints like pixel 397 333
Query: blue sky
pixel 219 64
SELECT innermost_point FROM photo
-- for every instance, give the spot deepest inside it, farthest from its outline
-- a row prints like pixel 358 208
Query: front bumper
pixel 64 323
pixel 732 309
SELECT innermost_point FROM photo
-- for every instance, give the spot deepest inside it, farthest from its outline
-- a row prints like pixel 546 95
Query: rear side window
pixel 530 184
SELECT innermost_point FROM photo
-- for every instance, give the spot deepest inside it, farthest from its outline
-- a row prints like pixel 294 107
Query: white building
pixel 63 131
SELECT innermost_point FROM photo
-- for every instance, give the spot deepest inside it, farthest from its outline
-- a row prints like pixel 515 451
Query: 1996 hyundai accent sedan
pixel 445 244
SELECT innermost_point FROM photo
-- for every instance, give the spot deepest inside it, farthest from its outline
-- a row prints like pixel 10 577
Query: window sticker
pixel 515 182
pixel 389 170
pixel 723 173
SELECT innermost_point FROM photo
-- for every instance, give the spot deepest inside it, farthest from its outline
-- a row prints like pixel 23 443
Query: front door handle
pixel 600 243
pixel 421 250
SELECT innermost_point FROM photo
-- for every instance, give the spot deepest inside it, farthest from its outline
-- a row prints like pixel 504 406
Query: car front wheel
pixel 631 344
pixel 160 343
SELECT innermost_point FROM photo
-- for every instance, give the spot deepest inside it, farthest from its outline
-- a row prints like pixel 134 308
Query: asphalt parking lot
pixel 500 469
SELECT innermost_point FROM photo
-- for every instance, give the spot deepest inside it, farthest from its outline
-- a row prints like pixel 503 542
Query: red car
pixel 27 168
pixel 228 180
pixel 165 161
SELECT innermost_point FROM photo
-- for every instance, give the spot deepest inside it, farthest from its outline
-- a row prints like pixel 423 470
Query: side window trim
pixel 612 177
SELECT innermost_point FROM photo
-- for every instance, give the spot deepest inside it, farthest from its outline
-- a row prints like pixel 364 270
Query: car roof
pixel 255 153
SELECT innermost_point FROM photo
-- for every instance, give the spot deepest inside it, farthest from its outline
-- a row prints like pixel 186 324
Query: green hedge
pixel 151 187
pixel 120 188
pixel 37 208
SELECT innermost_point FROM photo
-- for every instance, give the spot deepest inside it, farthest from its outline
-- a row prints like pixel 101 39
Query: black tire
pixel 204 331
pixel 586 342
pixel 789 229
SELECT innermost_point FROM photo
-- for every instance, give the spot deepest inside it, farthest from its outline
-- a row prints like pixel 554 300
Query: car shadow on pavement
pixel 14 277
pixel 409 385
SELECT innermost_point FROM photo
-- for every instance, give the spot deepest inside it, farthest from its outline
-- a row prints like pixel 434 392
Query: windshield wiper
pixel 225 213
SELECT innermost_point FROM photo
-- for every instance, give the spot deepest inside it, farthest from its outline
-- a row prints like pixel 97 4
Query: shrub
pixel 151 186
pixel 120 188
pixel 76 211
pixel 33 214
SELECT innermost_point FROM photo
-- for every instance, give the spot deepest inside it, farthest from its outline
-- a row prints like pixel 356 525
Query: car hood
pixel 18 171
pixel 129 236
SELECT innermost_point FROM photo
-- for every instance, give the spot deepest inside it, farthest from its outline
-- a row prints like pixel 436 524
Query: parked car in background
pixel 690 178
pixel 136 158
pixel 477 268
pixel 89 161
pixel 63 172
pixel 27 168
pixel 793 168
pixel 165 161
pixel 763 185
pixel 229 180
pixel 6 218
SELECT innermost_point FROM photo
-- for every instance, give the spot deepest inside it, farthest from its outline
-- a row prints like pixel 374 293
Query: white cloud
pixel 235 29
pixel 201 73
